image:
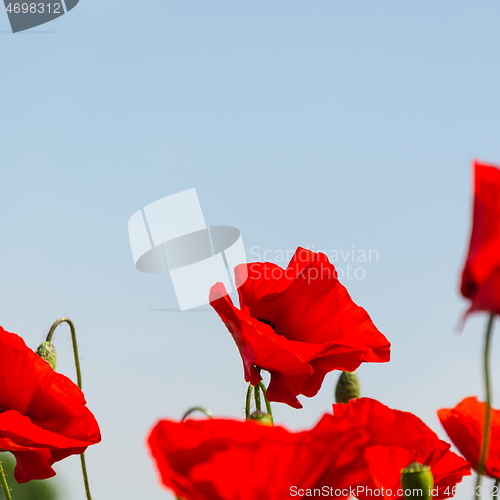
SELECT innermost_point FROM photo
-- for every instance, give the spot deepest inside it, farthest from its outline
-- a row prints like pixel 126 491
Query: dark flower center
pixel 267 322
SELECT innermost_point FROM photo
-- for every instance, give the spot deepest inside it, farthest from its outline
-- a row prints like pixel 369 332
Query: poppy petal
pixel 297 323
pixel 43 414
pixel 464 425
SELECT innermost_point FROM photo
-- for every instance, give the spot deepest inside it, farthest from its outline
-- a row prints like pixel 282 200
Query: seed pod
pixel 417 482
pixel 347 388
pixel 261 418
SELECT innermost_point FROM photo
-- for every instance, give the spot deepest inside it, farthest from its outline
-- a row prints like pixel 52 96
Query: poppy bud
pixel 261 418
pixel 347 388
pixel 417 482
pixel 47 351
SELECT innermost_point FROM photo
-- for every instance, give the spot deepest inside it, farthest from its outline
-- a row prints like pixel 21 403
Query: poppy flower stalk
pixel 248 401
pixel 79 383
pixel 256 394
pixel 5 486
pixel 268 404
pixel 487 415
pixel 201 409
pixel 258 404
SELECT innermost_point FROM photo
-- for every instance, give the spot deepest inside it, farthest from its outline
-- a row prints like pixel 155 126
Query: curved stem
pixel 79 383
pixel 487 416
pixel 258 404
pixel 248 409
pixel 5 486
pixel 75 345
pixel 268 404
pixel 205 412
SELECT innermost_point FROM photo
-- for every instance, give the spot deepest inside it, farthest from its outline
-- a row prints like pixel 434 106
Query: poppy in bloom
pixel 297 323
pixel 464 424
pixel 397 439
pixel 221 459
pixel 43 417
pixel 481 274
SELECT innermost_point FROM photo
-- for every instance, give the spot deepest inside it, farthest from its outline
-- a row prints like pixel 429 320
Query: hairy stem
pixel 75 346
pixel 487 416
pixel 268 404
pixel 79 383
pixel 248 401
pixel 5 486
pixel 205 412
pixel 258 404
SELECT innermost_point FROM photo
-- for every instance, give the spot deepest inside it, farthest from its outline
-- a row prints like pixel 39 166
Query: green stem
pixel 5 486
pixel 258 404
pixel 85 477
pixel 248 409
pixel 75 346
pixel 268 404
pixel 487 416
pixel 205 411
pixel 79 383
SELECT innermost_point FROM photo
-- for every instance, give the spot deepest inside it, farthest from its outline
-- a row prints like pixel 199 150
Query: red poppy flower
pixel 232 460
pixel 43 417
pixel 464 424
pixel 481 274
pixel 298 324
pixel 398 438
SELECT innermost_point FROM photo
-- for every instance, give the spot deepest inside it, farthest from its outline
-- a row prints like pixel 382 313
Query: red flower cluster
pixel 481 274
pixel 298 324
pixel 360 449
pixel 396 439
pixel 43 417
pixel 233 460
pixel 465 426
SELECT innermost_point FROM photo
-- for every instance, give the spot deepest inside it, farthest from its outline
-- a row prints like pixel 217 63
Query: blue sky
pixel 326 124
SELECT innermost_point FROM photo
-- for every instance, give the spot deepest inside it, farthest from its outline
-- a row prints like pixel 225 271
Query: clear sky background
pixel 326 123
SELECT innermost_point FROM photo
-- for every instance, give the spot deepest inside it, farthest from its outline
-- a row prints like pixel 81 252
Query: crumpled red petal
pixel 230 460
pixel 43 414
pixel 481 274
pixel 298 323
pixel 259 345
pixel 386 464
pixel 396 439
pixel 464 425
